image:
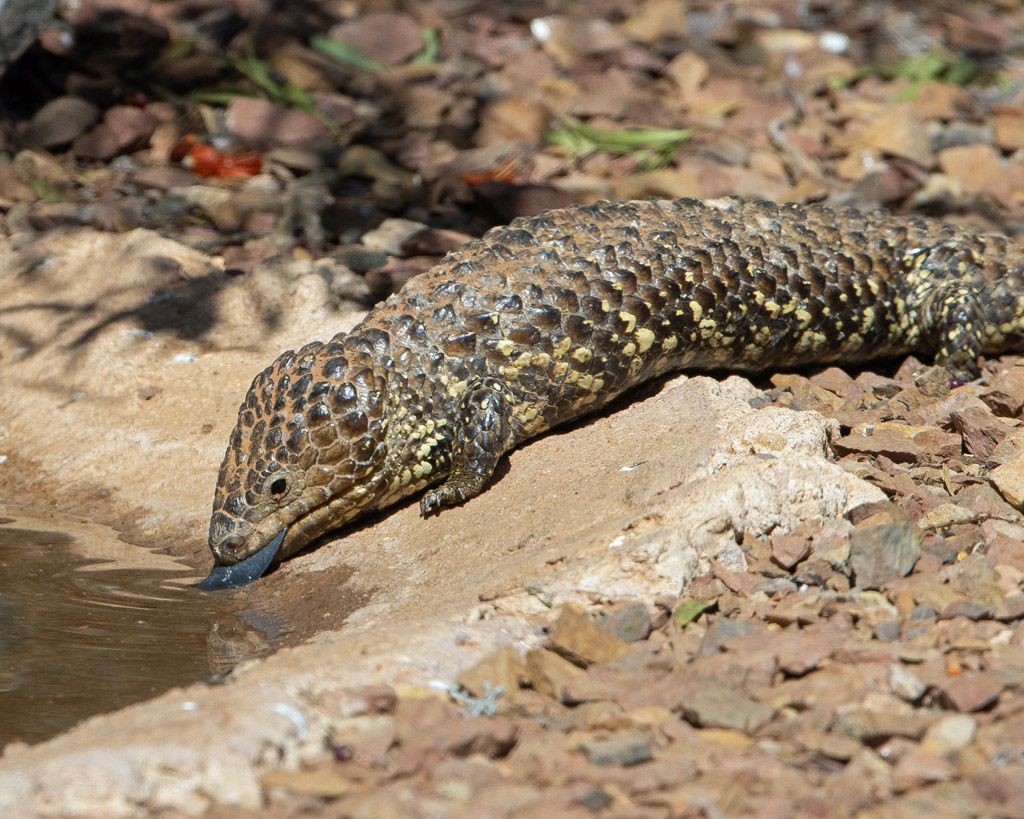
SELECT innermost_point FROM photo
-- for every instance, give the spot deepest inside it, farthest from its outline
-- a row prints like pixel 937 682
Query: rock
pixel 898 132
pixel 884 546
pixel 262 125
pixel 386 37
pixel 949 734
pixel 364 739
pixel 971 690
pixel 361 259
pixel 60 121
pixel 887 631
pixel 390 236
pixel 242 259
pixel 1005 395
pixel 1008 478
pixel 1000 791
pixel 434 242
pixel 979 167
pixel 905 683
pixel 714 705
pixel 687 70
pixel 886 442
pixel 577 638
pixel 124 129
pixel 831 545
pixel 165 178
pixel 507 201
pixel 1008 126
pixel 965 608
pixel 981 430
pixel 391 182
pixel 627 748
pixel 503 667
pixel 550 674
pixel 432 723
pixel 514 118
pixel 20 24
pixel 13 189
pixel 788 550
pixel 322 782
pixel 872 727
pixel 920 768
pixel 944 101
pixel 569 38
pixel 628 621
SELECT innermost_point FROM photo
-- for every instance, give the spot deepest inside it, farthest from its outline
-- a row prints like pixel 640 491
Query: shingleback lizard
pixel 553 316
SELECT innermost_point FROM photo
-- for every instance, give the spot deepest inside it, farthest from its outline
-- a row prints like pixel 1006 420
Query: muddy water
pixel 90 624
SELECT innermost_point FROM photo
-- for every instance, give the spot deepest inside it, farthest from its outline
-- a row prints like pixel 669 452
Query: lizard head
pixel 305 454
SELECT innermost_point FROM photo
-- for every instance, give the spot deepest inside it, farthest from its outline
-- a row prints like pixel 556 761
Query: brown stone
pixel 945 101
pixel 884 546
pixel 714 705
pixel 124 129
pixel 386 37
pixel 980 429
pixel 60 121
pixel 788 550
pixel 1008 125
pixel 577 638
pixel 886 442
pixel 261 124
pixel 898 131
pixel 971 691
pixel 503 667
pixel 919 768
pixel 1005 395
pixel 978 166
pixel 550 674
pixel 873 726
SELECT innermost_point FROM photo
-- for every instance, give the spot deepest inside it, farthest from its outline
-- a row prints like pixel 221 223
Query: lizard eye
pixel 278 488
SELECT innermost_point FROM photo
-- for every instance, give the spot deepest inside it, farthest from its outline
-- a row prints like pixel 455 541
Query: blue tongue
pixel 245 571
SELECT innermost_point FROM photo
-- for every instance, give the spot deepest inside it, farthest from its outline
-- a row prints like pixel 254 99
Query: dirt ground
pixel 801 595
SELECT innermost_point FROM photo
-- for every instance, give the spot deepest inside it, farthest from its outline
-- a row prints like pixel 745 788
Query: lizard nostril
pixel 231 544
pixel 225 537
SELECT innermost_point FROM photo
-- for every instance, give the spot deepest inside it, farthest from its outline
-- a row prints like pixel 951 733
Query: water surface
pixel 90 624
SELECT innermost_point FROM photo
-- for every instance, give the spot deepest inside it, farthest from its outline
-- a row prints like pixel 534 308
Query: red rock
pixel 788 550
pixel 971 690
pixel 839 382
pixel 980 429
pixel 1005 395
pixel 1007 550
pixel 886 442
pixel 124 129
